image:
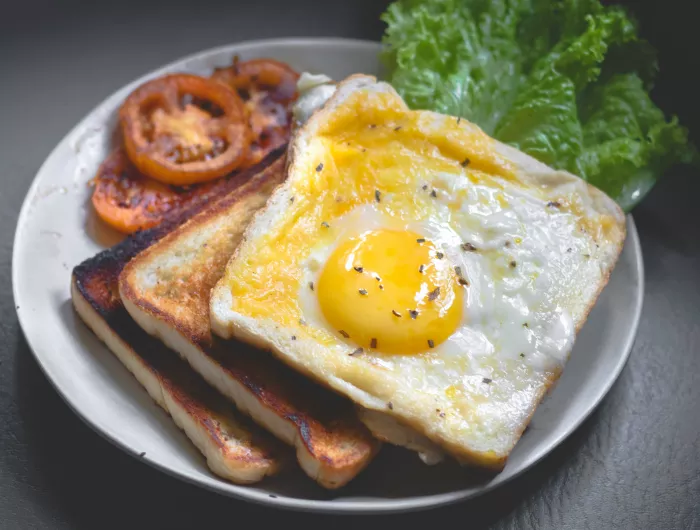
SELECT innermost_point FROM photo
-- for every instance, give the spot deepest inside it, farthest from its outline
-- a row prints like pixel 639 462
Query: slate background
pixel 635 463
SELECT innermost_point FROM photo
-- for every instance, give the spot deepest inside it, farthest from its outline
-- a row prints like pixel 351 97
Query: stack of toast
pixel 165 275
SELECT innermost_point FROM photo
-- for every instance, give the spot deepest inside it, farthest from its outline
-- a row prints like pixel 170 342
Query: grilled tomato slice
pixel 126 199
pixel 268 88
pixel 183 129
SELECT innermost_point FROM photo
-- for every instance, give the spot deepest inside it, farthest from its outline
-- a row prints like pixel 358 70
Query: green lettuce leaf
pixel 566 81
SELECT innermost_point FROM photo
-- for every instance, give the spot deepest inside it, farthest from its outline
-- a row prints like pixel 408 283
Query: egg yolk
pixel 391 291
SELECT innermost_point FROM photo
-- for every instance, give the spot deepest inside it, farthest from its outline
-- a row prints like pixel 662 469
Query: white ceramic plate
pixel 57 230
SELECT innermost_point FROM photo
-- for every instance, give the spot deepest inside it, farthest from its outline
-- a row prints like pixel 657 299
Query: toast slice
pixel 532 249
pixel 235 448
pixel 166 290
pixel 314 92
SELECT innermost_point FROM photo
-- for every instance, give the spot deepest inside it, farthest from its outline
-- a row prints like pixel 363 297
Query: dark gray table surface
pixel 635 463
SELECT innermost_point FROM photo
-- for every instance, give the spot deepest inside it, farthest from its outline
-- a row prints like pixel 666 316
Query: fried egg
pixel 422 269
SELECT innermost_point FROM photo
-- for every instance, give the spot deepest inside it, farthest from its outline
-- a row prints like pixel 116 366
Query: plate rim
pixel 252 494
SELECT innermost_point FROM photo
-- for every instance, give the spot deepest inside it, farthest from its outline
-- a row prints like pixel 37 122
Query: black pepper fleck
pixel 390 405
pixel 396 313
pixel 442 414
pixel 465 162
pixel 311 285
pixel 373 343
pixel 319 167
pixel 432 296
pixel 463 281
pixel 569 249
pixel 381 286
pixel 397 129
pixel 425 187
pixel 526 325
pixel 553 204
pixel 413 313
pixel 421 269
pixel 487 381
pixel 324 224
pixel 522 355
pixel 507 244
pixel 344 333
pixel 358 269
pixel 469 247
pixel 363 292
pixel 378 195
pixel 291 199
pixel 420 240
pixel 433 194
pixel 372 126
pixel 431 344
pixel 294 337
pixel 439 255
pixel 513 264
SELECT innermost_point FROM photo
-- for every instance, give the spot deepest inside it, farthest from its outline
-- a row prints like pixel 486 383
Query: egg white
pixel 507 313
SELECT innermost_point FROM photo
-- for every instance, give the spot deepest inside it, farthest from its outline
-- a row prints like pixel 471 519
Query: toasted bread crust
pixel 234 448
pixel 179 302
pixel 227 323
pixel 166 289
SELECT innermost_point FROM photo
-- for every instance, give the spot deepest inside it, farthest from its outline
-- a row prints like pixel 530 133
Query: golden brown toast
pixel 472 398
pixel 166 289
pixel 235 448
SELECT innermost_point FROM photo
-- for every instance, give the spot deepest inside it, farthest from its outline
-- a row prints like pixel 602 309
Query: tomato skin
pixel 183 144
pixel 274 77
pixel 126 199
pixel 268 88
